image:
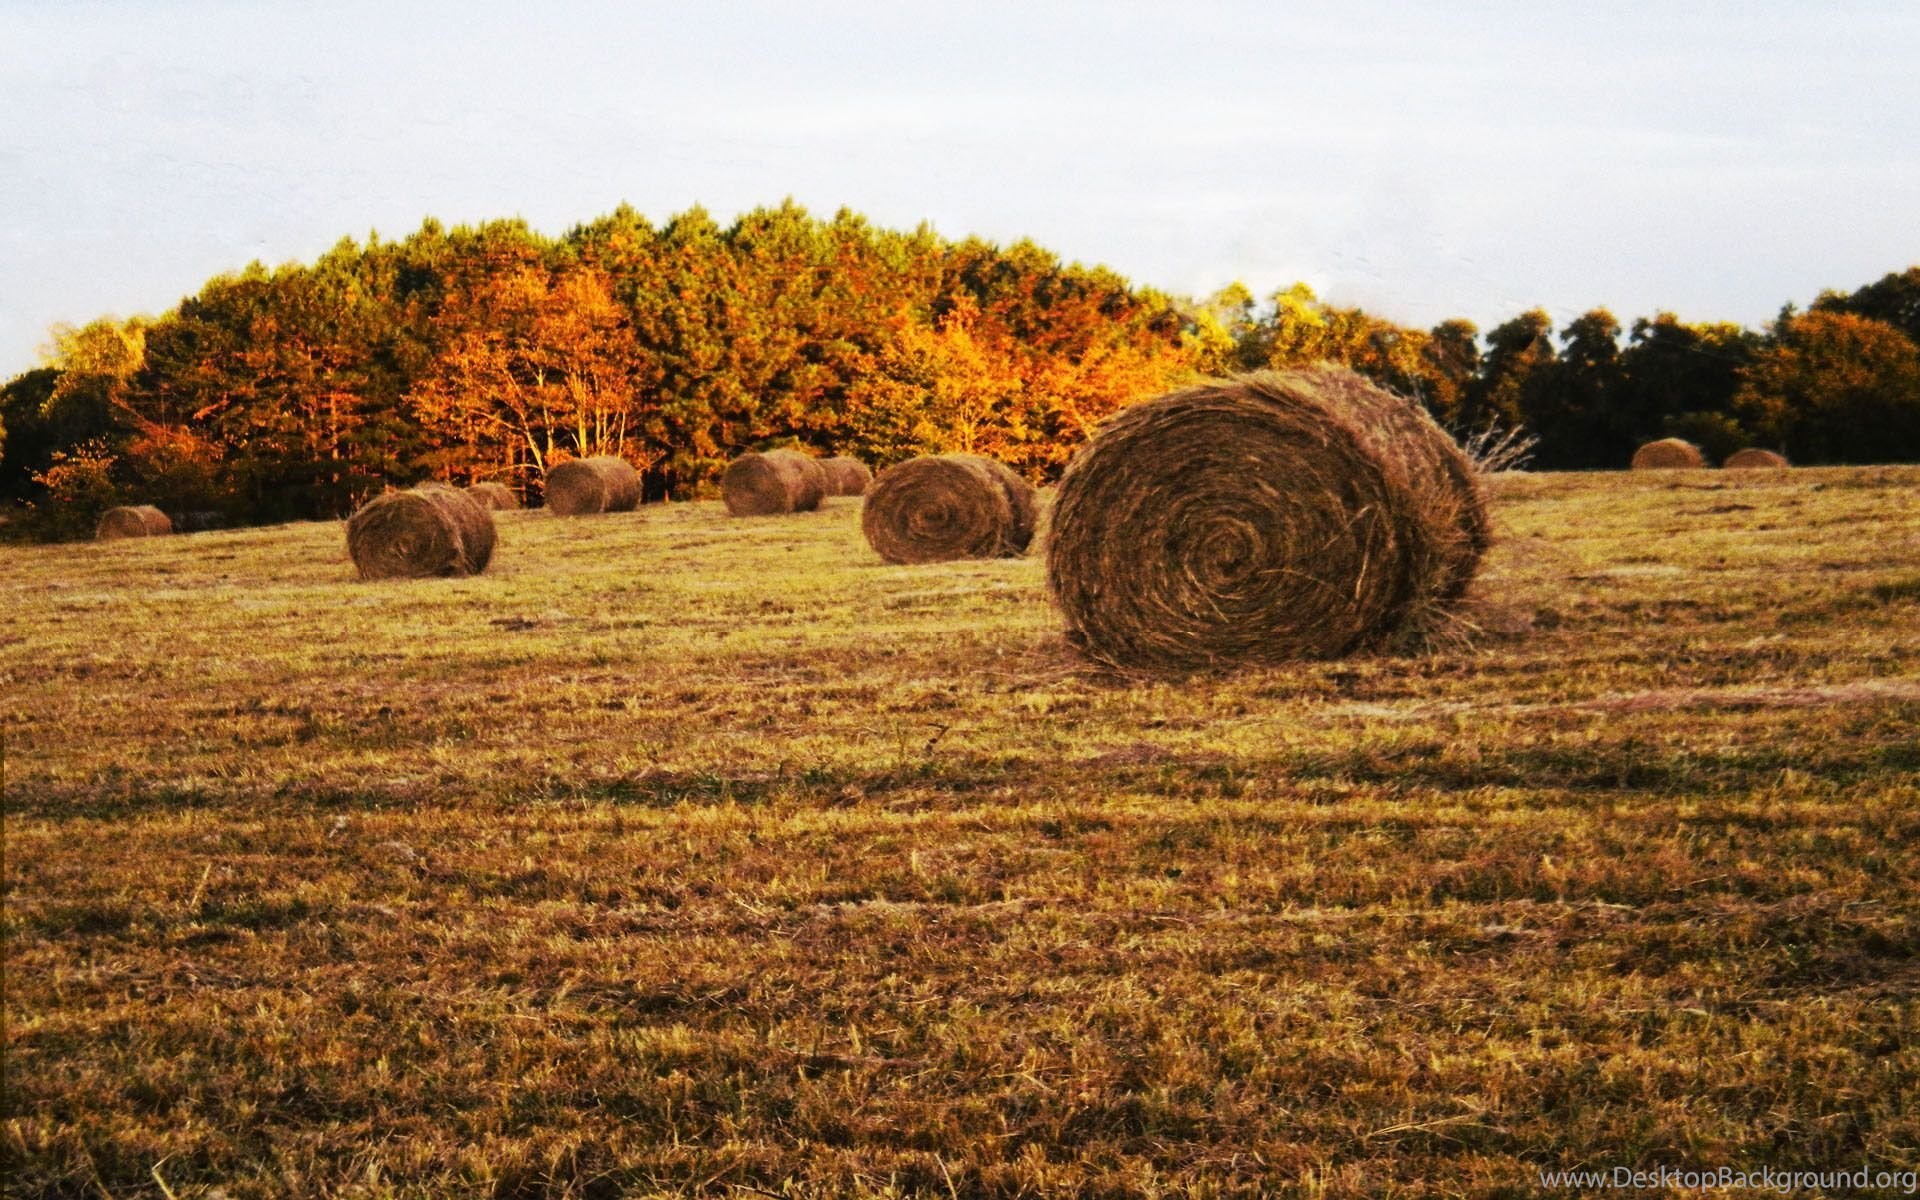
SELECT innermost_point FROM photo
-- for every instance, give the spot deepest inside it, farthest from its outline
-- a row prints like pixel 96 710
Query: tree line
pixel 492 352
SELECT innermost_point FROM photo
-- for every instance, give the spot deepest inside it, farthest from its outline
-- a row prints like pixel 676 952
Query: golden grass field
pixel 683 855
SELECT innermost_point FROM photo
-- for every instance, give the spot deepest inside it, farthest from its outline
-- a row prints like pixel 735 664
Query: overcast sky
pixel 1423 160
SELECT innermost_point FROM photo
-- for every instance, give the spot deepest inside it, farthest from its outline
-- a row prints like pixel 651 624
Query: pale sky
pixel 1423 160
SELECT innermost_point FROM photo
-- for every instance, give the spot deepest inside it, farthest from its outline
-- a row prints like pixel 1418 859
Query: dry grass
pixel 687 856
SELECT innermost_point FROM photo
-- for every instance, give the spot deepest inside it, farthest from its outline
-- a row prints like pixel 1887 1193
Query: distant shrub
pixel 79 489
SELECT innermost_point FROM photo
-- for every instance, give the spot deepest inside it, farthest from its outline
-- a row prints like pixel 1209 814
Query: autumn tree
pixel 1221 331
pixel 93 364
pixel 1835 387
pixel 1571 407
pixel 1517 365
pixel 1893 298
pixel 492 351
pixel 267 372
pixel 535 366
pixel 1449 362
pixel 1678 379
pixel 30 442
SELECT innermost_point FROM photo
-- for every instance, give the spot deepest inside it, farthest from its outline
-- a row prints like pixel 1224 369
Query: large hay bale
pixel 137 520
pixel 1447 477
pixel 947 506
pixel 494 497
pixel 1668 454
pixel 846 476
pixel 1753 458
pixel 1273 517
pixel 777 481
pixel 430 531
pixel 604 483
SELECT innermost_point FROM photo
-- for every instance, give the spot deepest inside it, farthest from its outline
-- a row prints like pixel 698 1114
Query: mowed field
pixel 693 856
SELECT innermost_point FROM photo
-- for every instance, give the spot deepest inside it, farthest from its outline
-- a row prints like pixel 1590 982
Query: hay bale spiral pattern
pixel 948 506
pixel 1273 517
pixel 604 483
pixel 774 482
pixel 1668 454
pixel 137 520
pixel 427 532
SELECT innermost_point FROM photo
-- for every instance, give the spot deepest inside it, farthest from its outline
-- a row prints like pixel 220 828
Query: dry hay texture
pixel 1754 458
pixel 776 481
pixel 1272 517
pixel 846 476
pixel 605 483
pixel 427 532
pixel 140 520
pixel 1668 454
pixel 494 497
pixel 948 506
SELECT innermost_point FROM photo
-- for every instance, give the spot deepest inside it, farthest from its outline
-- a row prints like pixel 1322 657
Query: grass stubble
pixel 688 856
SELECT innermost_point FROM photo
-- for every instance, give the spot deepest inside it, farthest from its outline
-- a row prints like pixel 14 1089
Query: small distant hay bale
pixel 1272 517
pixel 1668 454
pixel 1754 458
pixel 948 506
pixel 138 520
pixel 776 481
pixel 430 531
pixel 604 483
pixel 846 476
pixel 494 497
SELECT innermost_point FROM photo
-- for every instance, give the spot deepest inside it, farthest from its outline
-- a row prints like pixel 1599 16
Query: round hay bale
pixel 137 520
pixel 777 481
pixel 1668 454
pixel 494 497
pixel 430 531
pixel 1445 474
pixel 603 483
pixel 623 482
pixel 1754 458
pixel 947 506
pixel 1022 501
pixel 1273 517
pixel 846 476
